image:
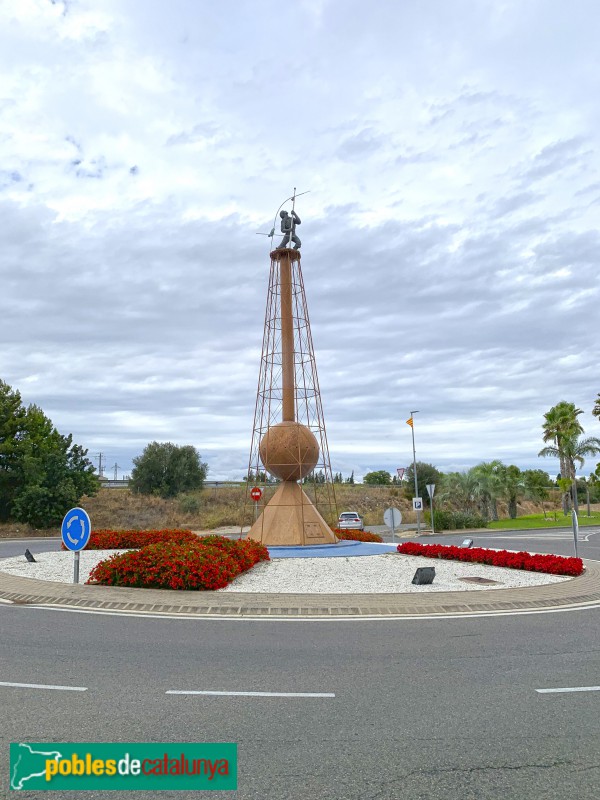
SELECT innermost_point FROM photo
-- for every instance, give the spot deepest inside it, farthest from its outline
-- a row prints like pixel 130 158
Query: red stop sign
pixel 256 494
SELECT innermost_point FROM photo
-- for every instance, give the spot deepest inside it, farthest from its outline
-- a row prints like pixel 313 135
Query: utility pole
pixel 100 456
pixel 116 467
pixel 412 429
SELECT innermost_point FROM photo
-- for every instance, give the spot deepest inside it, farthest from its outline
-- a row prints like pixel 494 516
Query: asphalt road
pixel 440 708
pixel 557 540
pixel 422 709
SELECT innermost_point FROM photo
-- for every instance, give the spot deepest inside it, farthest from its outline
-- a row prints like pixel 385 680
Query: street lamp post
pixel 412 428
pixel 574 518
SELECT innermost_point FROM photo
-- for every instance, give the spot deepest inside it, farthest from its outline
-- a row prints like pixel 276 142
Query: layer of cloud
pixel 450 235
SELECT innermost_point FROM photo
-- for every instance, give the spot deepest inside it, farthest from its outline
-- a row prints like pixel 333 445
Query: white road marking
pixel 253 694
pixel 246 618
pixel 44 686
pixel 569 689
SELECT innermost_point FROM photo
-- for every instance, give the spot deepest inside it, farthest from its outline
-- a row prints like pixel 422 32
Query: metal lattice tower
pixel 288 384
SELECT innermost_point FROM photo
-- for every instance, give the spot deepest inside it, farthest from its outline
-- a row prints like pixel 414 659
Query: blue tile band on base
pixel 343 549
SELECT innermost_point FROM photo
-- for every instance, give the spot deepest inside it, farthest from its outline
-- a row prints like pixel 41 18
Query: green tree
pixel 573 449
pixel 315 477
pixel 561 425
pixel 42 473
pixel 587 484
pixel 165 469
pixel 488 487
pixel 536 483
pixel 378 478
pixel 426 473
pixel 12 430
pixel 596 408
pixel 593 483
pixel 260 477
pixel 459 490
pixel 511 487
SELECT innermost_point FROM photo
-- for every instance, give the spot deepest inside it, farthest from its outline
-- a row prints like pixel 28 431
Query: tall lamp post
pixel 574 517
pixel 411 422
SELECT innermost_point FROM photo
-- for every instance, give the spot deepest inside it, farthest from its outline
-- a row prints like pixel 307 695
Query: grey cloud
pixel 132 310
pixel 554 158
pixel 200 132
pixel 359 145
pixel 507 205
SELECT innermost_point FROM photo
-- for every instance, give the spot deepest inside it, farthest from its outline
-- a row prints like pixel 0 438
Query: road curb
pixel 579 592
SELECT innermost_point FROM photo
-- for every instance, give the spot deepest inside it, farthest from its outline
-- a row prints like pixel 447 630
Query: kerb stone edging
pixel 573 593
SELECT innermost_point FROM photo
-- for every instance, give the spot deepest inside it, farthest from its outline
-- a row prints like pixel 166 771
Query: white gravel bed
pixel 389 574
pixel 56 566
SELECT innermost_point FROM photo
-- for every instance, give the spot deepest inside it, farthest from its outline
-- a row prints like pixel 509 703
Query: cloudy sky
pixel 450 238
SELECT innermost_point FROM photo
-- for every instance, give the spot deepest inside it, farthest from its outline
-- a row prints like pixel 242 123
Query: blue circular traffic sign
pixel 76 529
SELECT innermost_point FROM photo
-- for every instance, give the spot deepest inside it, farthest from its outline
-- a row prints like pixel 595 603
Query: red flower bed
pixel 553 565
pixel 123 540
pixel 357 536
pixel 191 564
pixel 246 552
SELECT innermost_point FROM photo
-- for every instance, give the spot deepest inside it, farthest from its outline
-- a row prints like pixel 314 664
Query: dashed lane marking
pixel 44 686
pixel 569 689
pixel 251 694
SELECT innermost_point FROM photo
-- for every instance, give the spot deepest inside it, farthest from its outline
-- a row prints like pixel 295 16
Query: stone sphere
pixel 289 451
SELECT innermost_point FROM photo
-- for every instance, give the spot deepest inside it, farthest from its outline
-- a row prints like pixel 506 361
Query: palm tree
pixel 596 408
pixel 459 489
pixel 587 483
pixel 561 424
pixel 573 450
pixel 488 486
pixel 512 487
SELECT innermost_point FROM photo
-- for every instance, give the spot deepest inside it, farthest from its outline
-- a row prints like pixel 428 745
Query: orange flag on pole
pixel 409 422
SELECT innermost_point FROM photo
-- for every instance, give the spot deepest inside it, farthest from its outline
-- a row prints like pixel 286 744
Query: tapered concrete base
pixel 290 518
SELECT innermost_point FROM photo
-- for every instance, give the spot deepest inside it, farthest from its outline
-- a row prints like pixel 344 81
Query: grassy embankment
pixel 553 520
pixel 224 506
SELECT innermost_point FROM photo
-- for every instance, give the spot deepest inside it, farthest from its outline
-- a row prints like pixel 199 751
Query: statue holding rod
pixel 288 224
pixel 288 228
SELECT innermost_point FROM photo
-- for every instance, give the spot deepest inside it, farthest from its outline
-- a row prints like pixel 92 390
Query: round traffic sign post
pixel 392 518
pixel 75 531
pixel 256 494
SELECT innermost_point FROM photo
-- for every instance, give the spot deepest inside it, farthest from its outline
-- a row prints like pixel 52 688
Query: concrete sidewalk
pixel 574 593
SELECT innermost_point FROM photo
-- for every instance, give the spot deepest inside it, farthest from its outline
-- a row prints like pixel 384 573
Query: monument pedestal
pixel 290 518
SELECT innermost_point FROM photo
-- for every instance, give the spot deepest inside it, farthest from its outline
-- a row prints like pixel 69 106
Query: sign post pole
pixel 256 494
pixel 75 531
pixel 575 522
pixel 430 491
pixel 392 518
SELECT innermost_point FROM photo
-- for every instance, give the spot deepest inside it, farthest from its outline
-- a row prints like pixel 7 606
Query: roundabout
pixel 472 694
pixel 345 601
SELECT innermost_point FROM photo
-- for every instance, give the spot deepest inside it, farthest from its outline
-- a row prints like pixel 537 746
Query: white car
pixel 350 520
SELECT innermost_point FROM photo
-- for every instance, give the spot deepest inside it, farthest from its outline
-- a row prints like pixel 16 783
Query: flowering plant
pixel 206 564
pixel 123 540
pixel 357 536
pixel 551 564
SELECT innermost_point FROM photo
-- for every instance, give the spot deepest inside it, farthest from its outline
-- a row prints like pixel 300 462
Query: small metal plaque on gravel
pixel 480 580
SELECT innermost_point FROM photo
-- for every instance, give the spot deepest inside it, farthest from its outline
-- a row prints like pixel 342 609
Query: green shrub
pixel 455 520
pixel 189 504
